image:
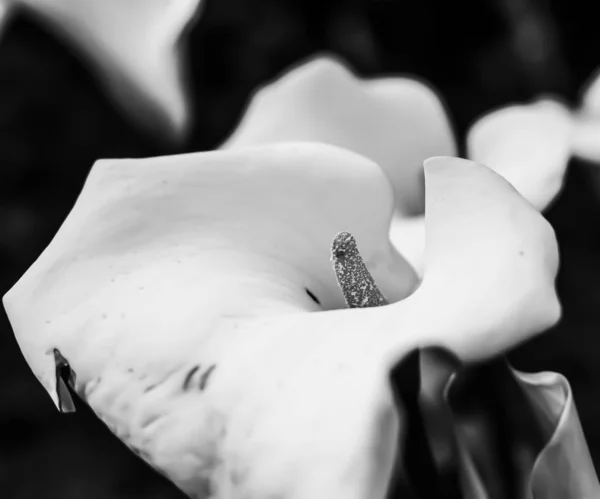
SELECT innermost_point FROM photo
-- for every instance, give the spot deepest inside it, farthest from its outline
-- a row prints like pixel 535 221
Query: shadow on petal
pixel 490 432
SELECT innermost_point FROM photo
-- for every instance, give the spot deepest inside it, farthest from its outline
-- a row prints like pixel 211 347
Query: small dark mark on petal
pixel 130 370
pixel 149 387
pixel 188 378
pixel 238 477
pixel 65 379
pixel 312 296
pixel 149 420
pixel 204 378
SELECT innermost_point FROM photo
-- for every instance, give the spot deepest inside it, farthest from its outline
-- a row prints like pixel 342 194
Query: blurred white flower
pixel 396 122
pixel 529 145
pixel 135 48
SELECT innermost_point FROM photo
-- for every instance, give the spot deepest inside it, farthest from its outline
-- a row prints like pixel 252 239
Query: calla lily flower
pixel 529 145
pixel 399 122
pixel 133 45
pixel 192 301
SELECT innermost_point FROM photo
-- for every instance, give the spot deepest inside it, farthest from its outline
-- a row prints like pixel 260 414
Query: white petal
pixel 529 145
pixel 254 224
pixel 165 264
pixel 135 48
pixel 586 137
pixel 586 129
pixel 590 100
pixel 490 260
pixel 396 122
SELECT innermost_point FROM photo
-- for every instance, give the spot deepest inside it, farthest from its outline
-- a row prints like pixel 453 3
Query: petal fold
pixel 564 468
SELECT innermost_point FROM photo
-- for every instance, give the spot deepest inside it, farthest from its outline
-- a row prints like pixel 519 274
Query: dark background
pixel 55 122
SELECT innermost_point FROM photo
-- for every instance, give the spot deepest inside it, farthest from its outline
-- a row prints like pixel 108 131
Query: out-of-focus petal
pixel 177 291
pixel 529 145
pixel 136 49
pixel 586 130
pixel 586 137
pixel 590 96
pixel 396 122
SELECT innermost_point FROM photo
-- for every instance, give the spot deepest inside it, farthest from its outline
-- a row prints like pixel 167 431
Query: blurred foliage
pixel 55 122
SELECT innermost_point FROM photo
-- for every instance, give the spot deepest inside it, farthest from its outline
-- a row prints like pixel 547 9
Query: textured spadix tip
pixel 353 277
pixel 344 247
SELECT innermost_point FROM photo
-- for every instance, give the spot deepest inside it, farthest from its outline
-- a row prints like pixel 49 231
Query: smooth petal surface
pixel 586 137
pixel 529 145
pixel 408 237
pixel 396 122
pixel 482 235
pixel 176 290
pixel 135 47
